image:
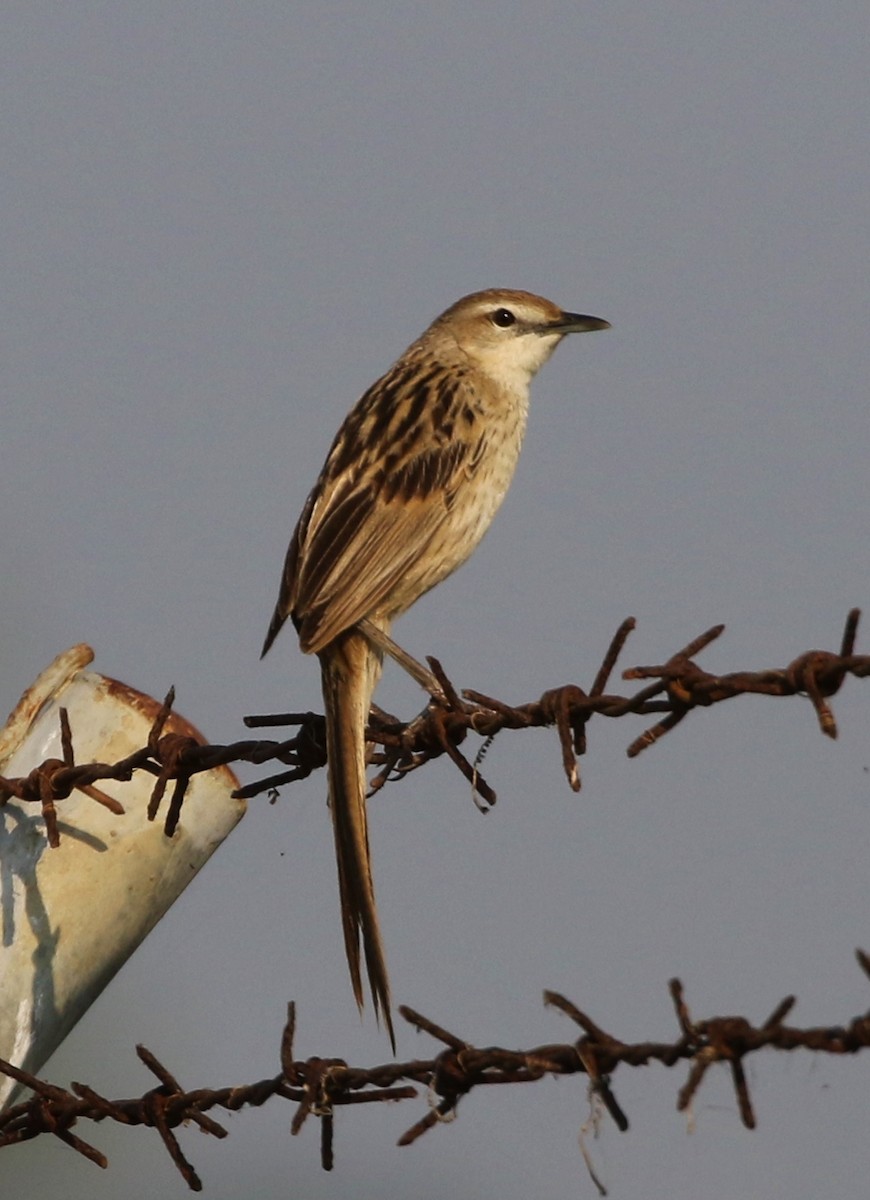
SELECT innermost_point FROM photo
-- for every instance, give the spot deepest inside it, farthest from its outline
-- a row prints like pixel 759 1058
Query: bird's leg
pixel 383 641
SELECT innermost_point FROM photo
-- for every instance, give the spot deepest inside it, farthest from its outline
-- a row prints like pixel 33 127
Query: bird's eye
pixel 503 317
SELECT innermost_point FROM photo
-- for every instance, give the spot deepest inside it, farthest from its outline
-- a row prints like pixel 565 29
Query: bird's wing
pixel 361 533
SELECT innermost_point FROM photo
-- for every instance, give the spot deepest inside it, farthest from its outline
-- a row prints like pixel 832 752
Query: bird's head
pixel 507 334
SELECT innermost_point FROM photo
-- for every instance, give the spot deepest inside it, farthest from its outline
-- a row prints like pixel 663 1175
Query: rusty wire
pixel 317 1085
pixel 677 687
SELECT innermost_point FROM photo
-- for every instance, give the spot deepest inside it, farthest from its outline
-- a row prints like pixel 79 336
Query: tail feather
pixel 350 670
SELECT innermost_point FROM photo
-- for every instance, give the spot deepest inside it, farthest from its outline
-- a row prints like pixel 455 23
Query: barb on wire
pixel 676 688
pixel 318 1085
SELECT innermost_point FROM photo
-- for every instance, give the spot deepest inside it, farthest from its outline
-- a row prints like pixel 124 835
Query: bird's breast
pixel 494 442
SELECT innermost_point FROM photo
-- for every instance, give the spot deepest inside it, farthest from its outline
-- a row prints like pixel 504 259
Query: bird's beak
pixel 575 323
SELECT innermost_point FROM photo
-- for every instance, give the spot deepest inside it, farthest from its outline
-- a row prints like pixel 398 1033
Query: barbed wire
pixel 678 687
pixel 318 1086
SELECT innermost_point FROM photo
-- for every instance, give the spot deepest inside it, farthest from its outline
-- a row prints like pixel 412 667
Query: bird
pixel 408 489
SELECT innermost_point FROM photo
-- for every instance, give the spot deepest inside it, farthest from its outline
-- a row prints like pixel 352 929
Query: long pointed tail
pixel 350 670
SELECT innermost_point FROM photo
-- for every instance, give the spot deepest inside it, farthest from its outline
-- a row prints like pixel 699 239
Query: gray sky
pixel 220 223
